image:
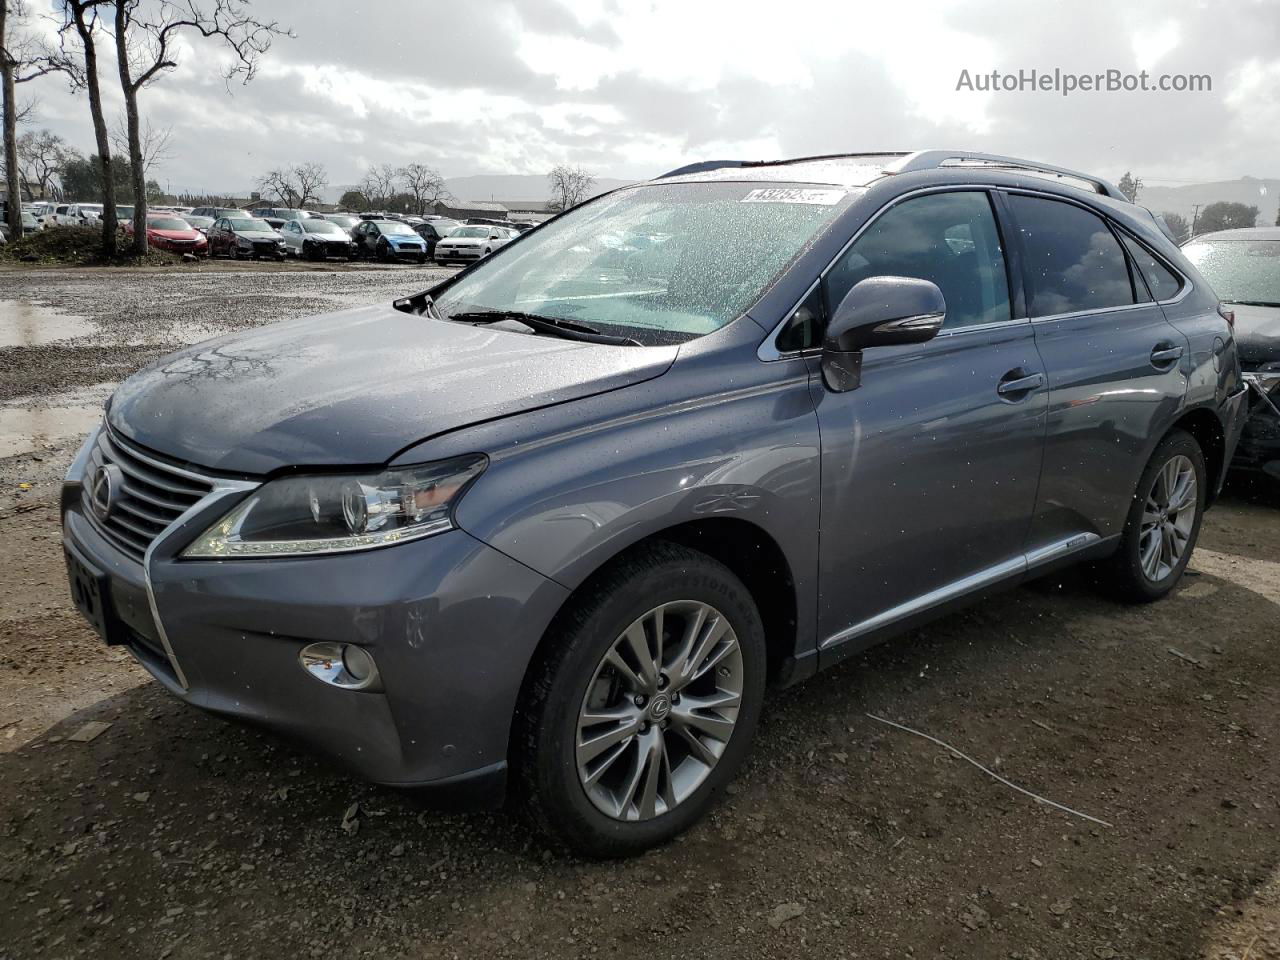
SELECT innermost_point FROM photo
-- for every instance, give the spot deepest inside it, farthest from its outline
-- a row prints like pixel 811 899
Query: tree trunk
pixel 100 134
pixel 137 162
pixel 13 192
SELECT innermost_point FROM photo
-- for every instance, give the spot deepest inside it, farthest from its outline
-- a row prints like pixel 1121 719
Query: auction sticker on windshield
pixel 824 198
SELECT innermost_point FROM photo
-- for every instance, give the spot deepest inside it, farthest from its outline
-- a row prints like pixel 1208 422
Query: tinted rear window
pixel 1072 259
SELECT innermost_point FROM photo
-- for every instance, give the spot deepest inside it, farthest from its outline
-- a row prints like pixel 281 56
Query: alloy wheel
pixel 1168 518
pixel 659 710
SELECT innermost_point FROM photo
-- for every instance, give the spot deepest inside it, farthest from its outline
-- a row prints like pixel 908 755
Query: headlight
pixel 299 516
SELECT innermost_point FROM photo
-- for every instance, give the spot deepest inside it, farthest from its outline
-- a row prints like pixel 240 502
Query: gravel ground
pixel 175 834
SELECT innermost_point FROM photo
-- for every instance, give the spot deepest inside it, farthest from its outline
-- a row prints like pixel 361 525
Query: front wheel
pixel 1163 523
pixel 644 705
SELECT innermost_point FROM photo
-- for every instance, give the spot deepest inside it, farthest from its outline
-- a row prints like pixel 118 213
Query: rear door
pixel 1116 367
pixel 930 466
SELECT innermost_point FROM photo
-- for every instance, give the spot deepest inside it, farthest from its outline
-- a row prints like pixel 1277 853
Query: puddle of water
pixel 24 324
pixel 24 429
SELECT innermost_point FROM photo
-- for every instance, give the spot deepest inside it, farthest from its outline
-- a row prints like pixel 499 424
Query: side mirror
pixel 878 312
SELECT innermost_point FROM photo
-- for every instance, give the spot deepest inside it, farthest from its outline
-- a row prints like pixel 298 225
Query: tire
pixel 571 677
pixel 384 253
pixel 1125 575
pixel 421 260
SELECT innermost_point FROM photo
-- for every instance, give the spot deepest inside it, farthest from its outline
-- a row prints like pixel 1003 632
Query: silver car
pixel 471 242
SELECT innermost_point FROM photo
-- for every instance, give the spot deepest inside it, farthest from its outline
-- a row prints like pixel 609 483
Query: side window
pixel 1161 281
pixel 948 238
pixel 804 329
pixel 1073 260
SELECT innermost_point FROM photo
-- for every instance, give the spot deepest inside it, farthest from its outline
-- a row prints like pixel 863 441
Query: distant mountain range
pixel 498 186
pixel 1263 194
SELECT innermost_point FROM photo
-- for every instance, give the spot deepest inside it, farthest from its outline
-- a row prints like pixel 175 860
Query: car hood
pixel 1257 333
pixel 355 388
pixel 174 234
pixel 464 241
pixel 402 237
pixel 257 235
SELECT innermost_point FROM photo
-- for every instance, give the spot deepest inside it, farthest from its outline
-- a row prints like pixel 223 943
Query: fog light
pixel 342 665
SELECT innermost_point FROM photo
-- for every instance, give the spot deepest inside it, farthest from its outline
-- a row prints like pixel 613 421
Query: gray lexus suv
pixel 548 530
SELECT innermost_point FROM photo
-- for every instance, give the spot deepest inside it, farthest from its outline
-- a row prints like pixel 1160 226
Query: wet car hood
pixel 355 388
pixel 257 235
pixel 1257 333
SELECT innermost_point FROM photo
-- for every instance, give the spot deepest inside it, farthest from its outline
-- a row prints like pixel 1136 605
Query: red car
pixel 167 232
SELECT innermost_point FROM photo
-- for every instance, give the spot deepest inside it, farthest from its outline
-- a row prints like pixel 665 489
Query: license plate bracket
pixel 91 594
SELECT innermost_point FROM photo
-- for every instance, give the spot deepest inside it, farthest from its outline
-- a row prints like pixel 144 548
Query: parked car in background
pixel 1243 267
pixel 389 240
pixel 30 225
pixel 317 239
pixel 345 220
pixel 244 238
pixel 200 223
pixel 124 212
pixel 433 231
pixel 548 528
pixel 472 242
pixel 53 215
pixel 81 215
pixel 170 232
pixel 278 216
pixel 216 212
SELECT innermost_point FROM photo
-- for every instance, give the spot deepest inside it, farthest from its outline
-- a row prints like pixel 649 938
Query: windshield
pixel 659 263
pixel 343 221
pixel 167 223
pixel 1239 270
pixel 252 226
pixel 470 232
pixel 124 213
pixel 320 226
pixel 395 229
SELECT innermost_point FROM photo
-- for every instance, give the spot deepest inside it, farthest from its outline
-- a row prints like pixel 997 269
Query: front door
pixel 930 466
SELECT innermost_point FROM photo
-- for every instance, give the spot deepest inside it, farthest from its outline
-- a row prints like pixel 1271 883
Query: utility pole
pixel 1195 216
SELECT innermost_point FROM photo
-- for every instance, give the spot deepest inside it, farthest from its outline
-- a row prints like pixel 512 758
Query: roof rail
pixel 704 165
pixel 932 159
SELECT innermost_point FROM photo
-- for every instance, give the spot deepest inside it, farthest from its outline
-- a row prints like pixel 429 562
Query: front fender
pixel 563 496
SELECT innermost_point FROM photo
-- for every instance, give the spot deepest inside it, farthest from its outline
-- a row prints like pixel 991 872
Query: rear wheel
pixel 645 706
pixel 1163 523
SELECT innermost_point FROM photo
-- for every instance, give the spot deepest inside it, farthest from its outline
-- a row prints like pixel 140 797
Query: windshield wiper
pixel 1254 303
pixel 568 329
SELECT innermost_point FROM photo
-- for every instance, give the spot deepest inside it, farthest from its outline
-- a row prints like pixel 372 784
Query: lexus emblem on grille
pixel 104 488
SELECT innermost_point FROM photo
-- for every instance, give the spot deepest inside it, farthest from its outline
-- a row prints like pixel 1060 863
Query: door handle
pixel 1016 381
pixel 1164 354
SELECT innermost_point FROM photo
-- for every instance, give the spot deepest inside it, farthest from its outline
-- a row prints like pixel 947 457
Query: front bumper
pixel 458 253
pixel 451 623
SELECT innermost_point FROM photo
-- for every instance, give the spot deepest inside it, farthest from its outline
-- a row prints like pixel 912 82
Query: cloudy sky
pixel 629 88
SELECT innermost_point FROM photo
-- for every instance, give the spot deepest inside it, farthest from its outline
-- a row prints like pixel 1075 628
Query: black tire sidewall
pixel 668 575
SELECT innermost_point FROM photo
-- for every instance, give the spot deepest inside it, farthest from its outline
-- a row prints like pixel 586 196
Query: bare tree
pixel 569 186
pixel 379 184
pixel 296 185
pixel 40 157
pixel 19 62
pixel 146 35
pixel 77 57
pixel 425 185
pixel 154 141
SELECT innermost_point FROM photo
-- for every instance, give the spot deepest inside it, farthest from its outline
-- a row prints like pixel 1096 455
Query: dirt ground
pixel 175 834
